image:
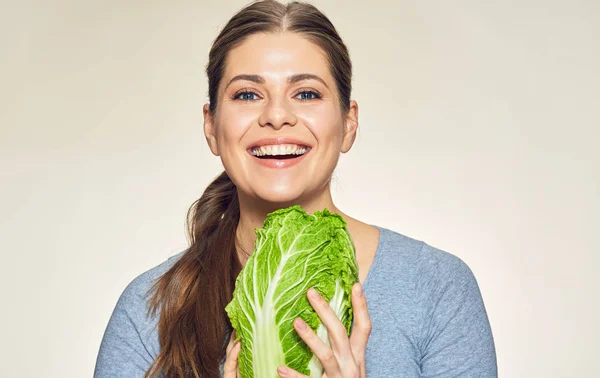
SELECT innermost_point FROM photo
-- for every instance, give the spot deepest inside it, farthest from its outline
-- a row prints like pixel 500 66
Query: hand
pixel 346 356
pixel 230 369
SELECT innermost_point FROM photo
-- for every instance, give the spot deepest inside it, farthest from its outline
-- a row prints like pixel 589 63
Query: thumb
pixel 231 362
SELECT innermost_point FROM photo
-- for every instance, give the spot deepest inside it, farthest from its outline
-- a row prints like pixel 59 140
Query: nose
pixel 277 113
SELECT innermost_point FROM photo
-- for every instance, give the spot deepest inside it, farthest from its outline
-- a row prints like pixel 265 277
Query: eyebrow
pixel 291 79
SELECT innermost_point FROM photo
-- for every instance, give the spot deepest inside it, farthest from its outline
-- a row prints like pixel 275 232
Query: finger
pixel 319 348
pixel 231 362
pixel 362 323
pixel 231 341
pixel 286 372
pixel 336 330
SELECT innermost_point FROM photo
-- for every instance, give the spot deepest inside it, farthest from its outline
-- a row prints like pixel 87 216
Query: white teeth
pixel 279 149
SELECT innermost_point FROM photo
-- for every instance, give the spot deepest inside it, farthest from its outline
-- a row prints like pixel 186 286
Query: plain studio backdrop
pixel 478 134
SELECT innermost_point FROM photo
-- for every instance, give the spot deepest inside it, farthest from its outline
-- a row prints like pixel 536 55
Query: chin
pixel 280 196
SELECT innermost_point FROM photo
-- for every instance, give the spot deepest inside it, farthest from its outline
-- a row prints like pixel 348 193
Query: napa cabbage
pixel 293 252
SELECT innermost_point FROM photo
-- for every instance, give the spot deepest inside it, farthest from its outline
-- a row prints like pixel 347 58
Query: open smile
pixel 279 152
pixel 278 161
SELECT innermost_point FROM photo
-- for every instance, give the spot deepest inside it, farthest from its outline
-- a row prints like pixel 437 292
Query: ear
pixel 210 130
pixel 350 127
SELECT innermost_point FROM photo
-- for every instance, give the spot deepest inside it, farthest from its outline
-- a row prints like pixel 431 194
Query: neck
pixel 253 213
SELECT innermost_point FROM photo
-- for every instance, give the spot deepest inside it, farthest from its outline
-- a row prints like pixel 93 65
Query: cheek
pixel 326 126
pixel 233 124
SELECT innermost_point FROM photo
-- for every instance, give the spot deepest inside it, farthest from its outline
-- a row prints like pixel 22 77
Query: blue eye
pixel 245 96
pixel 308 95
pixel 251 96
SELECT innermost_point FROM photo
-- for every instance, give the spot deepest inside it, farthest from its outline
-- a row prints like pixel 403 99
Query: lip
pixel 272 141
pixel 277 163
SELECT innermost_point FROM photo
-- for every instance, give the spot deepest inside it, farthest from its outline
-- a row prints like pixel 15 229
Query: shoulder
pixel 440 283
pixel 133 301
pixel 423 272
pixel 130 342
pixel 443 303
pixel 423 260
pixel 139 286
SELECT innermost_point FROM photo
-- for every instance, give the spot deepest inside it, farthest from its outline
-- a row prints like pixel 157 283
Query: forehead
pixel 277 55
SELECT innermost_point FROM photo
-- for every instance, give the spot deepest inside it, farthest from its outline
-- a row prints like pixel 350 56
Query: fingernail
pixel 282 371
pixel 300 324
pixel 359 290
pixel 313 293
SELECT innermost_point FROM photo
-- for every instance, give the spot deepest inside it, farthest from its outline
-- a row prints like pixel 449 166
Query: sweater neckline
pixel 376 258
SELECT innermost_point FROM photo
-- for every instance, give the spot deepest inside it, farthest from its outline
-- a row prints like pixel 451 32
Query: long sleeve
pixel 455 335
pixel 130 342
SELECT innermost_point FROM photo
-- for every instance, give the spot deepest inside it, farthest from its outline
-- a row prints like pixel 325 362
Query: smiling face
pixel 277 90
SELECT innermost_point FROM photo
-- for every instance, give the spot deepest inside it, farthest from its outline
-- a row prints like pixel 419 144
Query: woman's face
pixel 278 126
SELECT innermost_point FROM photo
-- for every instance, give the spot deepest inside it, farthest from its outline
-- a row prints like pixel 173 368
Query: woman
pixel 279 75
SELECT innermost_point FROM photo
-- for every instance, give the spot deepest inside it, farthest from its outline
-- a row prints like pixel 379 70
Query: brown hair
pixel 193 327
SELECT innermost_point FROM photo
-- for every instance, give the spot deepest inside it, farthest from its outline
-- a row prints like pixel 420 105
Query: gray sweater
pixel 428 318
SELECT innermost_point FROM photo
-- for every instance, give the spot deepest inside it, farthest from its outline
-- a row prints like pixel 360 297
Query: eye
pixel 308 95
pixel 245 96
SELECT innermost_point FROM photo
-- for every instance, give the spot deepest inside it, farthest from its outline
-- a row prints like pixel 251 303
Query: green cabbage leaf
pixel 293 252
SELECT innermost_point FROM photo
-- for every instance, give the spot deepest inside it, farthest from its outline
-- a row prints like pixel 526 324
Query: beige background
pixel 479 134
